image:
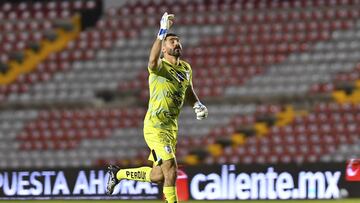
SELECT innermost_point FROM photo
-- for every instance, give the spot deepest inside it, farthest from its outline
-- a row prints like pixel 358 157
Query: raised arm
pixel 155 54
pixel 165 24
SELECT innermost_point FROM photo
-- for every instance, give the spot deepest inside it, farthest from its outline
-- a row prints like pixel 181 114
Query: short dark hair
pixel 171 35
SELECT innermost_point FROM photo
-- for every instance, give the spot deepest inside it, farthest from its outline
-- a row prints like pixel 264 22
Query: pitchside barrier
pixel 217 182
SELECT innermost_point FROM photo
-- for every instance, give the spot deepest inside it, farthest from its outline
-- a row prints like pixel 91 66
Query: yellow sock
pixel 170 194
pixel 138 174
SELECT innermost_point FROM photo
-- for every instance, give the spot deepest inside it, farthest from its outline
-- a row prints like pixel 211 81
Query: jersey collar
pixel 166 61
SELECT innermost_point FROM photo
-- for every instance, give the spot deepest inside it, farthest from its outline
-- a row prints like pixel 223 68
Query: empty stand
pixel 238 46
pixel 320 135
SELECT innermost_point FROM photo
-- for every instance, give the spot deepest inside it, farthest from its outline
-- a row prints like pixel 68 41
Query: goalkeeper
pixel 170 81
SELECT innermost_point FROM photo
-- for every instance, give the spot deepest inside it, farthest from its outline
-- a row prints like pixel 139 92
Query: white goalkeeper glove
pixel 200 110
pixel 165 24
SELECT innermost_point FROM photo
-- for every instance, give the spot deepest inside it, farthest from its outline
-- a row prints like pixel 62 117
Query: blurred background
pixel 281 80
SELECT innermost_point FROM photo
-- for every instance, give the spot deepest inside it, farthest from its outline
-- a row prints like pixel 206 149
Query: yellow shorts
pixel 162 144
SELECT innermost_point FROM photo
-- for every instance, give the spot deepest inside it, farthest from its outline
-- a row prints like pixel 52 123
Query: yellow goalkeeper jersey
pixel 168 84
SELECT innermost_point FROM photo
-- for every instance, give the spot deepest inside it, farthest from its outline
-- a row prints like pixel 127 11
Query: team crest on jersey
pixel 168 149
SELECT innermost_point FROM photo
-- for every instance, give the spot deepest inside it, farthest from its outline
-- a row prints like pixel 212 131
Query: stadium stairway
pixel 32 31
pixel 22 22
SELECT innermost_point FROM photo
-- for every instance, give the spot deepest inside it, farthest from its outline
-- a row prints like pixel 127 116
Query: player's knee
pixel 159 178
pixel 157 175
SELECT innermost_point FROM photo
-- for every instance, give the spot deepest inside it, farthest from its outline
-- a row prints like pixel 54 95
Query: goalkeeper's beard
pixel 175 52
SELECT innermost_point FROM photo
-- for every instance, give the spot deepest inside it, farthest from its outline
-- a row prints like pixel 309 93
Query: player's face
pixel 172 46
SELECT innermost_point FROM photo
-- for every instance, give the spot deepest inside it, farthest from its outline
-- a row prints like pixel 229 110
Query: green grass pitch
pixel 146 201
